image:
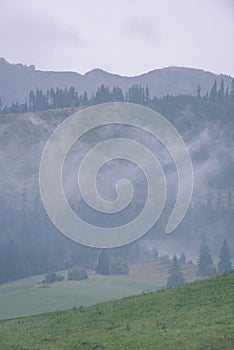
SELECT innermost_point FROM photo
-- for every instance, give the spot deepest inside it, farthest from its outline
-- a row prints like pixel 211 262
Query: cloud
pixel 143 28
pixel 38 32
pixel 119 37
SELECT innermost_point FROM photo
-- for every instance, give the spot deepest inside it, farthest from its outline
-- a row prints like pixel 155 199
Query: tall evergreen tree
pixel 213 92
pixel 205 262
pixel 224 263
pixel 229 206
pixel 182 259
pixel 103 266
pixel 221 91
pixel 175 277
pixel 85 100
pixel 227 92
pixel 198 91
pixel 117 94
pixel 147 96
pixel 232 90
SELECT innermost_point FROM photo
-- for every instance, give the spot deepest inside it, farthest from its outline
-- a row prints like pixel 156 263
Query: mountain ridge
pixel 16 80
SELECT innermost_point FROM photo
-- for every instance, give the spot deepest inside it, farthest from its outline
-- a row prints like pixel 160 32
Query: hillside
pixel 26 297
pixel 31 245
pixel 16 80
pixel 196 316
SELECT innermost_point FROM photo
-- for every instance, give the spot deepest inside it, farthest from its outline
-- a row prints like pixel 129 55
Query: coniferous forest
pixel 31 245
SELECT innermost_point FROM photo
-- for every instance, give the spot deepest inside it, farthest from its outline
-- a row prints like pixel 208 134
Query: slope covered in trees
pixel 69 97
pixel 30 244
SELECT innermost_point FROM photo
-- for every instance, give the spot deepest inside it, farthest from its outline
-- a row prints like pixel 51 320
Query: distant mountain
pixel 16 80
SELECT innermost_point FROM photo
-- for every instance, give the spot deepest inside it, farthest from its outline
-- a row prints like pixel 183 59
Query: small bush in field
pixel 52 277
pixel 77 274
pixel 119 268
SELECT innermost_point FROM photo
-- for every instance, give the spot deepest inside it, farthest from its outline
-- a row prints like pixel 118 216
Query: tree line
pixel 68 97
pixel 205 266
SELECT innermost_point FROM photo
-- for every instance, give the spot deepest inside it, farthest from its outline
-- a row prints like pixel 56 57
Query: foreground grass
pixel 196 316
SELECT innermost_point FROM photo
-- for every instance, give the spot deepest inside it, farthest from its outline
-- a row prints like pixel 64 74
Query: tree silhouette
pixel 205 262
pixel 182 259
pixel 103 265
pixel 224 263
pixel 175 277
pixel 213 92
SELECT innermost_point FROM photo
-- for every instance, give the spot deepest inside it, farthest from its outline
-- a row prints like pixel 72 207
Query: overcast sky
pixel 127 37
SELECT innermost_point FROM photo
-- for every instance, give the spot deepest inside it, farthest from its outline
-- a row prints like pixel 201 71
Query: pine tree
pixel 85 100
pixel 175 277
pixel 117 94
pixel 219 206
pixel 198 91
pixel 205 262
pixel 213 92
pixel 221 91
pixel 232 90
pixel 32 105
pixel 147 97
pixel 182 259
pixel 103 265
pixel 224 263
pixel 227 93
pixel 229 205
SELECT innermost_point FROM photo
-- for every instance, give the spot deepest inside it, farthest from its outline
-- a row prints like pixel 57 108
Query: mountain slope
pixel 16 80
pixel 196 316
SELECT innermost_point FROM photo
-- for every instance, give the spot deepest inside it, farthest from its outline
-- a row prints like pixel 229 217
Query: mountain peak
pixel 96 72
pixel 3 61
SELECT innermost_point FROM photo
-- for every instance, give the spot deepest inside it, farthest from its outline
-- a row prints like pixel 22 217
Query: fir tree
pixel 229 203
pixel 103 265
pixel 175 277
pixel 232 90
pixel 117 94
pixel 85 100
pixel 147 97
pixel 213 92
pixel 224 263
pixel 205 262
pixel 198 91
pixel 182 259
pixel 227 92
pixel 221 91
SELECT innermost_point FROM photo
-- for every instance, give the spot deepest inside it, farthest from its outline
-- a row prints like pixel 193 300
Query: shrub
pixel 119 268
pixel 165 259
pixel 51 277
pixel 77 274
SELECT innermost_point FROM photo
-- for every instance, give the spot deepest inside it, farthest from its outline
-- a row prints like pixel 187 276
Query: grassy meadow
pixel 25 297
pixel 196 316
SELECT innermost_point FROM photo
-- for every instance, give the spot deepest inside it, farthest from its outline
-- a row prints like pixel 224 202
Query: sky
pixel 124 37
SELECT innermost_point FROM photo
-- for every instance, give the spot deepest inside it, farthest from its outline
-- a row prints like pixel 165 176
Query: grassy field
pixel 22 297
pixel 197 316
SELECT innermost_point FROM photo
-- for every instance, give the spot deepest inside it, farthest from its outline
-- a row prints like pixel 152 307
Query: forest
pixel 31 245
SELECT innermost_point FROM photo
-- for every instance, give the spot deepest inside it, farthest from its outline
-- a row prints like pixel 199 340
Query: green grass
pixel 197 316
pixel 21 298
